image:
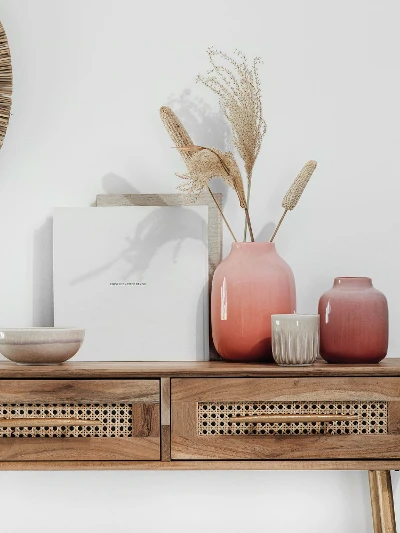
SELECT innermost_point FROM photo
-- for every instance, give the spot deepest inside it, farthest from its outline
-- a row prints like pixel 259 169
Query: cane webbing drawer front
pixel 114 419
pixel 285 418
pixel 79 420
pixel 364 418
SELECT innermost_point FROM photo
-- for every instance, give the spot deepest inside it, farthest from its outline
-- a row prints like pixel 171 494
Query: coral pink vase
pixel 354 322
pixel 249 286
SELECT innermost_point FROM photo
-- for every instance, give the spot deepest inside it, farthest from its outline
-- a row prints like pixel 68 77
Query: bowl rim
pixel 45 328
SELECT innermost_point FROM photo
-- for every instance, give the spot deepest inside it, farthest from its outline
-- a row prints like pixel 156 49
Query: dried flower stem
pixel 249 224
pixel 248 207
pixel 222 214
pixel 237 86
pixel 241 197
pixel 278 226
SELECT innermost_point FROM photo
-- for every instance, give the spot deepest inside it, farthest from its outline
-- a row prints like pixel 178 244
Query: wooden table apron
pixel 176 416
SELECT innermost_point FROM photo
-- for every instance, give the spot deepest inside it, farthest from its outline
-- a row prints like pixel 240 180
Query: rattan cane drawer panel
pixel 214 418
pixel 82 420
pixel 289 418
pixel 115 420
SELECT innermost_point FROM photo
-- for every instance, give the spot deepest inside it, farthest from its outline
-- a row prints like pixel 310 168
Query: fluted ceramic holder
pixel 295 339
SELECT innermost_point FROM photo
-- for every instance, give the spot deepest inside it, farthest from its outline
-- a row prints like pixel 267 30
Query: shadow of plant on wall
pixel 115 184
pixel 157 229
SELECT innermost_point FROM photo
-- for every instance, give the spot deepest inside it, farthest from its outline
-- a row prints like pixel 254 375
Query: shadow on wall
pixel 266 232
pixel 205 126
pixel 43 309
pixel 114 184
pixel 158 228
pixel 42 271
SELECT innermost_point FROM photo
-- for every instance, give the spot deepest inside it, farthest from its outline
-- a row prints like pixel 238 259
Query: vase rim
pixel 353 277
pixel 253 244
pixel 353 281
pixel 296 316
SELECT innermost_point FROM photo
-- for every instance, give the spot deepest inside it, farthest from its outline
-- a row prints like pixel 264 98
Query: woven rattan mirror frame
pixel 5 84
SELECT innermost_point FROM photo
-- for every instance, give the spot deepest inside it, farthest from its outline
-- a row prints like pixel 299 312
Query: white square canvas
pixel 136 278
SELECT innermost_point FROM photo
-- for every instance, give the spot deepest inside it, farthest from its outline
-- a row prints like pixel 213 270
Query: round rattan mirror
pixel 5 84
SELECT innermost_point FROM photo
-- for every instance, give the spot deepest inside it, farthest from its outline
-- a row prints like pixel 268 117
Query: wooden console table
pixel 210 415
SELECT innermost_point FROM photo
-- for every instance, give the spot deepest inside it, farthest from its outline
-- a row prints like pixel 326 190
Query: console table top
pixel 112 369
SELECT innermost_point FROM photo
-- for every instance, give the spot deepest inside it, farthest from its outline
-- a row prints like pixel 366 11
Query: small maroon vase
pixel 354 322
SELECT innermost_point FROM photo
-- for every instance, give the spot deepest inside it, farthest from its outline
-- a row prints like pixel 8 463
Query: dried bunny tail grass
pixel 177 132
pixel 6 83
pixel 295 191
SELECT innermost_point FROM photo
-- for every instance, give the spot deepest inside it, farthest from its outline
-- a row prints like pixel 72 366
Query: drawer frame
pixel 187 444
pixel 143 396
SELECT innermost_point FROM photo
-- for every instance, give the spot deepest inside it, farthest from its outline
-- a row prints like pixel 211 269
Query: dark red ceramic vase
pixel 354 322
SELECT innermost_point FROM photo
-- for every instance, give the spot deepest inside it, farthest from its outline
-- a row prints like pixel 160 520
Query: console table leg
pixel 382 501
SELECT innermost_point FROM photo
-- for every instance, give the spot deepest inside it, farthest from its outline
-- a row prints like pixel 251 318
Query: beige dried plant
pixel 210 163
pixel 202 164
pixel 176 130
pixel 295 191
pixel 237 85
pixel 207 164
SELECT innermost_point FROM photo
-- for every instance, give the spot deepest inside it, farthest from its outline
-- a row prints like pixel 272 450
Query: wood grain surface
pixel 202 465
pixel 165 419
pixel 105 370
pixel 80 449
pixel 383 515
pixel 58 391
pixel 145 420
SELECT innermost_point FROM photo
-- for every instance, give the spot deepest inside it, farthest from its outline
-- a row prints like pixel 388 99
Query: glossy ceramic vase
pixel 249 286
pixel 354 322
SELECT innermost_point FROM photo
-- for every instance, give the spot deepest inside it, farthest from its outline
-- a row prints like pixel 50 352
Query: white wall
pixel 89 78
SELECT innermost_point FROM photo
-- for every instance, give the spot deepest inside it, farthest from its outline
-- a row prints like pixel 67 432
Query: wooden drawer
pixel 46 420
pixel 291 418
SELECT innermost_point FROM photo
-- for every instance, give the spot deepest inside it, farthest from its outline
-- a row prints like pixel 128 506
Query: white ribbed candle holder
pixel 295 339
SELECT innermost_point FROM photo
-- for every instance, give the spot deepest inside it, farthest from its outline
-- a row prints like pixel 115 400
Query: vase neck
pixel 353 283
pixel 250 248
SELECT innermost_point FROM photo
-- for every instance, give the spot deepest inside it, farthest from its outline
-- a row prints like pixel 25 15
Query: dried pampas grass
pixel 295 191
pixel 237 85
pixel 5 84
